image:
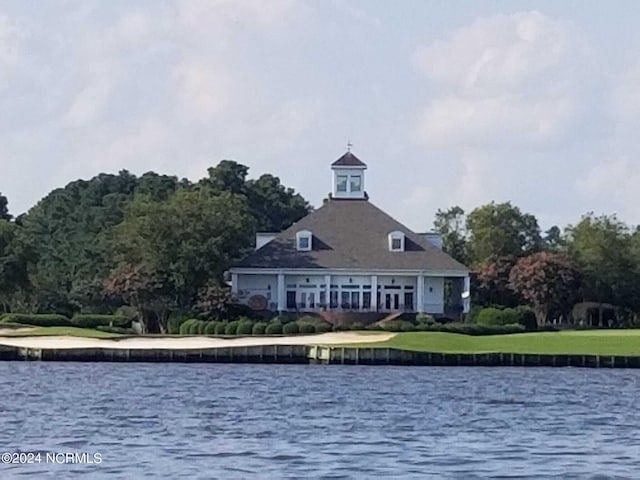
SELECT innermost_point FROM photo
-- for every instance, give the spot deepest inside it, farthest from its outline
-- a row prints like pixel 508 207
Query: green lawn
pixel 71 331
pixel 601 342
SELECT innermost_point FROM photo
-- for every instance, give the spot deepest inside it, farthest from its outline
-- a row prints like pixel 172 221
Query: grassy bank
pixel 595 342
pixel 25 331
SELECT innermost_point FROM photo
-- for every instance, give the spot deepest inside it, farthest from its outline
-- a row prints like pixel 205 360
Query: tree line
pixel 595 260
pixel 153 244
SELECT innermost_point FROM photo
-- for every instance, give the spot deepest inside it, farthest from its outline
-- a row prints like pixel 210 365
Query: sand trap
pixel 4 331
pixel 192 342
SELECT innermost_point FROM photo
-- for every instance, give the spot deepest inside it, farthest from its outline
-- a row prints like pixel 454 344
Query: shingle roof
pixel 350 234
pixel 348 160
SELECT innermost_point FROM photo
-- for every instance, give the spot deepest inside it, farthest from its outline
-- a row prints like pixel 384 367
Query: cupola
pixel 348 177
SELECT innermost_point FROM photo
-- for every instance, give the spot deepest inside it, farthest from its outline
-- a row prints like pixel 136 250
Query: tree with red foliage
pixel 548 281
pixel 491 283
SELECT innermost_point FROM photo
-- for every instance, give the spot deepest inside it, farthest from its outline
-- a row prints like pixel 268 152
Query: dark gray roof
pixel 350 234
pixel 348 160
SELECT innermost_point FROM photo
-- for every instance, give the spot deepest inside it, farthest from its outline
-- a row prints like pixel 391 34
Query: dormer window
pixel 303 240
pixel 396 241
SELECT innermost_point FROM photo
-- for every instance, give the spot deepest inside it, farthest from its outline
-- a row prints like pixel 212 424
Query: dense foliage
pixel 154 242
pixel 597 260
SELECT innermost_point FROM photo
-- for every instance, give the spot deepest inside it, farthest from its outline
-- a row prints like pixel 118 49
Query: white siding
pixel 265 285
pixel 434 294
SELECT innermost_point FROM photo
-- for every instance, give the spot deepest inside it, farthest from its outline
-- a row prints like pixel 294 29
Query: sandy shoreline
pixel 66 342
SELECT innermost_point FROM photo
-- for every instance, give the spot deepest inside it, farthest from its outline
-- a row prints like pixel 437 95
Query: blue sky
pixel 449 103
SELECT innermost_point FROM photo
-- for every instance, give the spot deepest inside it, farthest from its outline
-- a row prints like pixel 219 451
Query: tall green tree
pixel 501 230
pixel 64 237
pixel 450 224
pixel 176 247
pixel 274 207
pixel 603 247
pixel 4 208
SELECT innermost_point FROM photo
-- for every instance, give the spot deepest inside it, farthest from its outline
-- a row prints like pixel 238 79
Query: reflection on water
pixel 274 421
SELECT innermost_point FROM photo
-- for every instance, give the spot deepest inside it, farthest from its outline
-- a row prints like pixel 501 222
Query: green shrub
pixel 112 329
pixel 201 326
pixel 232 328
pixel 274 328
pixel 374 326
pixel 290 328
pixel 89 320
pixel 399 326
pixel 38 319
pixel 323 327
pixel 221 328
pixel 478 329
pixel 425 318
pixel 185 327
pixel 175 322
pixel 357 326
pixel 210 329
pixel 194 327
pixel 341 327
pixel 245 327
pixel 526 317
pixel 307 328
pixel 259 328
pixel 492 316
pixel 472 316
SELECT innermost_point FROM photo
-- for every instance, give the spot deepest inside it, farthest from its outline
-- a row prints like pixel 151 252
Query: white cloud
pixel 509 79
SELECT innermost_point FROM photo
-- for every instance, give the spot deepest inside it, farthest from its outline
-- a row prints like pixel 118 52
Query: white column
pixel 466 295
pixel 420 294
pixel 234 283
pixel 327 281
pixel 282 294
pixel 374 293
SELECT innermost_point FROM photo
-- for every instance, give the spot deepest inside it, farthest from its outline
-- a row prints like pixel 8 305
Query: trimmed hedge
pixel 221 328
pixel 508 316
pixel 232 328
pixel 210 328
pixel 474 329
pixel 290 328
pixel 399 326
pixel 185 327
pixel 323 327
pixel 245 327
pixel 89 320
pixel 307 328
pixel 201 326
pixel 274 328
pixel 38 319
pixel 357 326
pixel 194 327
pixel 259 328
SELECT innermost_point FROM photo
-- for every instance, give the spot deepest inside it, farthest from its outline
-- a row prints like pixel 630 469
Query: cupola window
pixel 396 241
pixel 341 183
pixel 304 240
pixel 356 183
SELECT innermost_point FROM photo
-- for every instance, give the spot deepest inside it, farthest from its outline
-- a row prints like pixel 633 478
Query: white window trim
pixel 396 236
pixel 304 234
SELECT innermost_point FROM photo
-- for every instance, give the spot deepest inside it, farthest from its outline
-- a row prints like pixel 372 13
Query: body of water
pixel 277 421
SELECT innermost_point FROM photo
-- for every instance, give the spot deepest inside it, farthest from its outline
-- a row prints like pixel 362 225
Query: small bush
pixel 357 326
pixel 38 319
pixel 323 327
pixel 274 328
pixel 210 329
pixel 425 318
pixel 493 316
pixel 111 329
pixel 290 328
pixel 193 328
pixel 185 327
pixel 232 328
pixel 221 328
pixel 245 327
pixel 374 326
pixel 526 317
pixel 399 326
pixel 307 328
pixel 88 320
pixel 259 328
pixel 175 322
pixel 341 327
pixel 201 326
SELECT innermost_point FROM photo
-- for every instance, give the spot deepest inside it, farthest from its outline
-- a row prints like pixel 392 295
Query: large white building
pixel 348 255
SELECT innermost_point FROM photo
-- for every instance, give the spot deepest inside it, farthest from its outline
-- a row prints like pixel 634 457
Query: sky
pixel 448 103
